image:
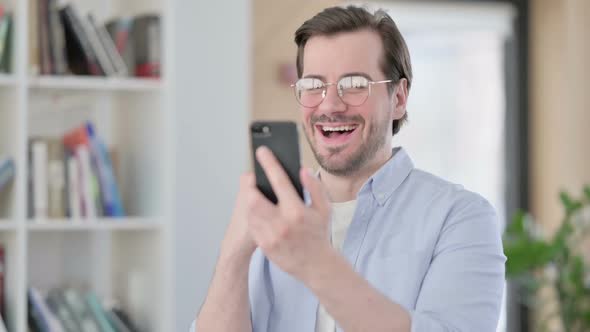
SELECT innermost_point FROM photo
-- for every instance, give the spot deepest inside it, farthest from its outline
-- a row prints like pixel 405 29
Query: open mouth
pixel 337 131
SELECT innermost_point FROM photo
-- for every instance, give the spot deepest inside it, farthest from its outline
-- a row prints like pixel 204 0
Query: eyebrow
pixel 323 78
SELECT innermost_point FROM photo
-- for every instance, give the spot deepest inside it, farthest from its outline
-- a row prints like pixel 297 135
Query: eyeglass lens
pixel 353 90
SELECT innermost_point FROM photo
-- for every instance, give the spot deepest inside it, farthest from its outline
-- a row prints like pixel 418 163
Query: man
pixel 382 246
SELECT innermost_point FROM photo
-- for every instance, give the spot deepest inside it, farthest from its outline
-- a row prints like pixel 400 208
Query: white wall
pixel 212 98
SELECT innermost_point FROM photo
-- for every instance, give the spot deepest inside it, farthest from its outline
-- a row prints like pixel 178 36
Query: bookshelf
pixel 7 80
pixel 105 224
pixel 129 258
pixel 95 84
pixel 7 225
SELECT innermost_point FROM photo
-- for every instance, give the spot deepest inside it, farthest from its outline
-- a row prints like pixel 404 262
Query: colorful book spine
pixel 6 23
pixel 110 196
pixel 99 313
pixel 40 314
pixel 86 174
pixel 7 171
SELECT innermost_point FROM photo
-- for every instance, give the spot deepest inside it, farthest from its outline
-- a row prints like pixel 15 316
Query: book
pixel 60 309
pixel 85 135
pixel 56 179
pixel 41 318
pixel 101 55
pixel 38 152
pixel 57 43
pixel 87 182
pixel 117 62
pixel 125 319
pixel 116 322
pixel 112 202
pixel 73 184
pixel 6 23
pixel 147 45
pixel 120 31
pixel 79 307
pixel 2 278
pixel 98 312
pixel 7 171
pixel 44 37
pixel 33 42
pixel 81 57
pixel 2 324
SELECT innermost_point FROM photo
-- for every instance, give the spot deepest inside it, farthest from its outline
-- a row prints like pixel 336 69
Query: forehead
pixel 345 52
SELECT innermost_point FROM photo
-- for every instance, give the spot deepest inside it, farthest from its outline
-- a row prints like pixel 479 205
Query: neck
pixel 346 188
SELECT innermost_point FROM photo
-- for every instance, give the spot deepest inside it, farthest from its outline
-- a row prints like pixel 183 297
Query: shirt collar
pixel 390 176
pixel 387 179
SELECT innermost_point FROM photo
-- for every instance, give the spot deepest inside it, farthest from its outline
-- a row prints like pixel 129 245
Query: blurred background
pixel 124 130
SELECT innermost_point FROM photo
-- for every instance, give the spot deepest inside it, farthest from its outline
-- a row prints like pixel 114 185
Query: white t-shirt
pixel 342 214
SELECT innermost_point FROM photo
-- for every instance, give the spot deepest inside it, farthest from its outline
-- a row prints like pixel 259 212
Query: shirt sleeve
pixel 464 286
pixel 259 289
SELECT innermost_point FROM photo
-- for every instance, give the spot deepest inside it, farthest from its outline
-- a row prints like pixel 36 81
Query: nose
pixel 332 102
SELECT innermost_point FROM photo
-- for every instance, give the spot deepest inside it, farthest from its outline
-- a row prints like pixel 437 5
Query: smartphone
pixel 282 139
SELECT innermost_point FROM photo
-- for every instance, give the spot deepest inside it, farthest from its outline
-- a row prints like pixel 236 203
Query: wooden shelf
pixel 90 83
pixel 99 224
pixel 7 225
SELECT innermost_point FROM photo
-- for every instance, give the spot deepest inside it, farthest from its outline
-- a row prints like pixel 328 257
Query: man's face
pixel 346 138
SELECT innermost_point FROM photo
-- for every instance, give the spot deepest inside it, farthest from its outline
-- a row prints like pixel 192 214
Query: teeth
pixel 340 128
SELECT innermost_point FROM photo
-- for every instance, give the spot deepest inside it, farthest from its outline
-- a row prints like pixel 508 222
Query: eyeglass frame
pixel 327 84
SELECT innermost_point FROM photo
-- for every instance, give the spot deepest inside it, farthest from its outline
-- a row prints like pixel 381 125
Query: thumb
pixel 319 195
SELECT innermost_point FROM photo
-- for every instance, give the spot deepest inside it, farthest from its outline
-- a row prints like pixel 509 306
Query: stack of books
pixel 72 176
pixel 63 41
pixel 71 310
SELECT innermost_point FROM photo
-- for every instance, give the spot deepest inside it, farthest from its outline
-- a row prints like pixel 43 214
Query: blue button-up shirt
pixel 429 245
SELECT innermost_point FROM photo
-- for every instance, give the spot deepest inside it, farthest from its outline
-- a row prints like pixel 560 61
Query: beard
pixel 363 154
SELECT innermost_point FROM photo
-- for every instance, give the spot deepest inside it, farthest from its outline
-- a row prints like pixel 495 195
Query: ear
pixel 399 99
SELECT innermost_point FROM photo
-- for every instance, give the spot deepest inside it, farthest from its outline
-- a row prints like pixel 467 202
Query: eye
pixel 310 84
pixel 353 82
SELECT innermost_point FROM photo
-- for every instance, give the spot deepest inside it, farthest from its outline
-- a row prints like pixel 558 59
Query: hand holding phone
pixel 282 139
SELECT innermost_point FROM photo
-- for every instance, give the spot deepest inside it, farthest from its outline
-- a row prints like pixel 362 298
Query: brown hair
pixel 395 63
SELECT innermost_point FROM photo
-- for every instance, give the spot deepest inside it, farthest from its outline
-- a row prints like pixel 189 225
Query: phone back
pixel 282 139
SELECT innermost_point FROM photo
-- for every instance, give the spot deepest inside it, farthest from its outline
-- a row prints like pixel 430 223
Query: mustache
pixel 336 118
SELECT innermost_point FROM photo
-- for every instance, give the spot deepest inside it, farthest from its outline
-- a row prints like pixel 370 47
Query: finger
pixel 261 216
pixel 320 198
pixel 278 178
pixel 247 180
pixel 259 205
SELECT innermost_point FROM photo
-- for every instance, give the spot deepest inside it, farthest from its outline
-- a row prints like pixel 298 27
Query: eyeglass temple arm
pixel 384 81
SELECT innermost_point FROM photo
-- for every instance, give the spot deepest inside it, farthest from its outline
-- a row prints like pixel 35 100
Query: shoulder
pixel 456 217
pixel 441 205
pixel 440 191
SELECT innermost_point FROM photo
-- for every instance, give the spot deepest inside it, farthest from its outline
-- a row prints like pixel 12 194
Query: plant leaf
pixel 569 204
pixel 524 256
pixel 587 192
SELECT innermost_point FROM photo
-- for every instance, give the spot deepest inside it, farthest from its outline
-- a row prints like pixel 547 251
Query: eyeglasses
pixel 353 90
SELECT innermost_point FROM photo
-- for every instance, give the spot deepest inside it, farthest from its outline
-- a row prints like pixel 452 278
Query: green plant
pixel 534 261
